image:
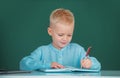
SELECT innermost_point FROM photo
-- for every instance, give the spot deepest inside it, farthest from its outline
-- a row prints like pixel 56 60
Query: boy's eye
pixel 60 34
pixel 69 35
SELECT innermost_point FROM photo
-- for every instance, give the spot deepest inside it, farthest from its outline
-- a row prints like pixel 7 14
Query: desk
pixel 37 74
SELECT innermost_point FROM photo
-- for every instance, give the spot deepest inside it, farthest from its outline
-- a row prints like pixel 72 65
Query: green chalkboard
pixel 23 27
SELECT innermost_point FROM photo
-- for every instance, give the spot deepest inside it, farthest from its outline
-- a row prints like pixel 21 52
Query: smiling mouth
pixel 64 43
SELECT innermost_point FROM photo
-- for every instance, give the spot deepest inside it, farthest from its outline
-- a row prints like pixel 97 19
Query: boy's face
pixel 61 34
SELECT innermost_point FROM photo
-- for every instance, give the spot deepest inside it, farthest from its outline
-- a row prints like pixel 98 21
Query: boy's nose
pixel 65 38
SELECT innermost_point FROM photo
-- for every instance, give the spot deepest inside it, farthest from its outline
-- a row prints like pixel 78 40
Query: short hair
pixel 61 15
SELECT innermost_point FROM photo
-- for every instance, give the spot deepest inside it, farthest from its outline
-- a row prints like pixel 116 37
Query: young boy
pixel 60 53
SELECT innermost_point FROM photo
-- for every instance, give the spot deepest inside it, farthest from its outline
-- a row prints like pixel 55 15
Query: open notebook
pixel 69 69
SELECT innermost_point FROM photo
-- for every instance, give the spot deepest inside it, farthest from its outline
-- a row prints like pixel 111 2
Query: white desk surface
pixel 37 74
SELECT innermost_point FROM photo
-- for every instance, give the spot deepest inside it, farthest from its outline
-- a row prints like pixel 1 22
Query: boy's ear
pixel 49 31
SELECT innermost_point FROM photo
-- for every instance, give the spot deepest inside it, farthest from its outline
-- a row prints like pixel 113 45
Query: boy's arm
pixel 95 63
pixel 33 62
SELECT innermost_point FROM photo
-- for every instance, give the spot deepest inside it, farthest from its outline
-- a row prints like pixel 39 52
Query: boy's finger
pixel 60 66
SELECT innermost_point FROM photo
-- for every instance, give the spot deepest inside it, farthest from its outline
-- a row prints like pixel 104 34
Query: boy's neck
pixel 58 48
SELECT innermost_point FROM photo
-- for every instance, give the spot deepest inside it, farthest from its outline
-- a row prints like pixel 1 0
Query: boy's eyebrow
pixel 67 34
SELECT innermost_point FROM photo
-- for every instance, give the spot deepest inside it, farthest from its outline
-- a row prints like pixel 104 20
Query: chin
pixel 63 46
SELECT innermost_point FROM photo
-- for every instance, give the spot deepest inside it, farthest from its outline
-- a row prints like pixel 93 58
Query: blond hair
pixel 61 16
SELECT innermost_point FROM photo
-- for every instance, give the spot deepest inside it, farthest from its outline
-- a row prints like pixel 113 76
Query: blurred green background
pixel 23 28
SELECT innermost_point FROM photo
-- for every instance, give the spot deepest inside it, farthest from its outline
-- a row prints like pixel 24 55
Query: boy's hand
pixel 86 63
pixel 56 65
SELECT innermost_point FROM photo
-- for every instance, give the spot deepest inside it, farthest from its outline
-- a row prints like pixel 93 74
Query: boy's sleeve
pixel 95 64
pixel 33 61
